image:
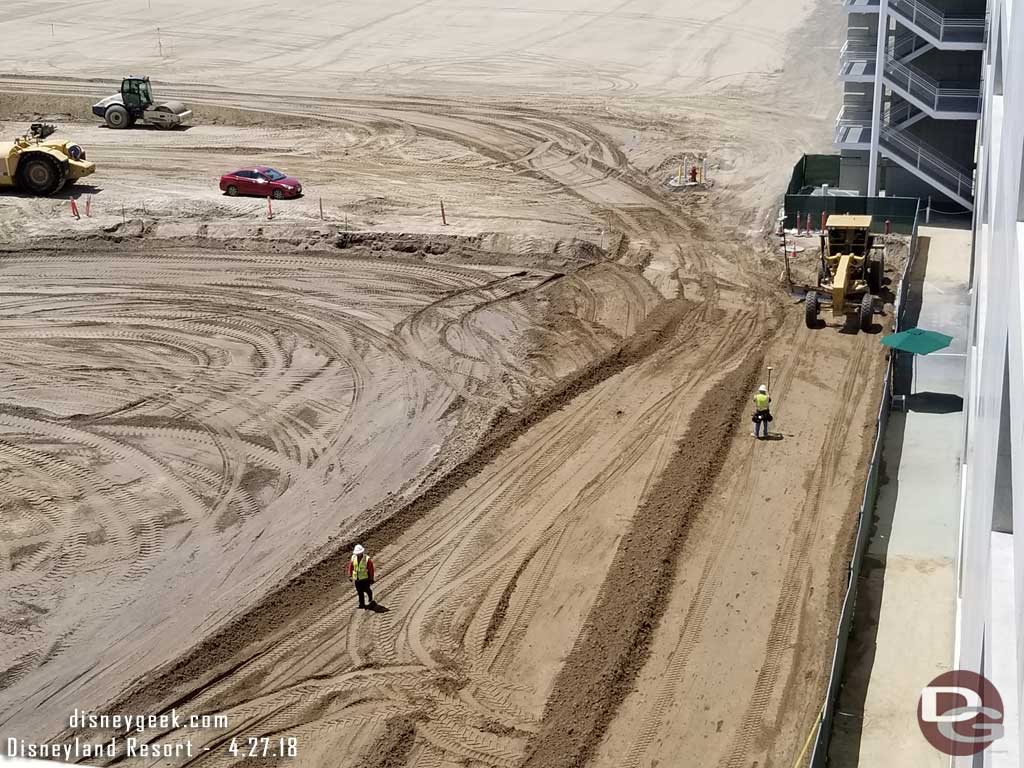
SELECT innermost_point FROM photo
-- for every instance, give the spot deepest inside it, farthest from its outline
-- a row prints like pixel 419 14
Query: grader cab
pixel 850 271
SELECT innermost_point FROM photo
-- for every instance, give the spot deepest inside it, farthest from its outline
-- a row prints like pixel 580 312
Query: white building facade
pixel 990 615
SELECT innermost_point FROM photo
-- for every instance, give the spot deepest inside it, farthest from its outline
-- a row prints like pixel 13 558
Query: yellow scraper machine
pixel 850 273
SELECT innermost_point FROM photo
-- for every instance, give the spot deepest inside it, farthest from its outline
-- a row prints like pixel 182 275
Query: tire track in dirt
pixel 582 163
pixel 624 356
pixel 602 664
pixel 438 732
pixel 200 429
pixel 505 136
pixel 665 411
pixel 795 582
pixel 733 551
pixel 717 541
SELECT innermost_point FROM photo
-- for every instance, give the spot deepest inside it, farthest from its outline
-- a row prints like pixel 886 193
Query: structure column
pixel 876 97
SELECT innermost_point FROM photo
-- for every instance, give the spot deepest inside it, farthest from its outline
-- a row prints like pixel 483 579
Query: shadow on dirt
pixel 144 127
pixel 68 193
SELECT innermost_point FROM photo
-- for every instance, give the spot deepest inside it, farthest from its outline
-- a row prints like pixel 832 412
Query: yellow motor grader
pixel 39 166
pixel 850 272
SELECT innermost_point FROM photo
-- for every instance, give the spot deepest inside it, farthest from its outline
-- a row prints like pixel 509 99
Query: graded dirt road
pixel 535 417
pixel 735 669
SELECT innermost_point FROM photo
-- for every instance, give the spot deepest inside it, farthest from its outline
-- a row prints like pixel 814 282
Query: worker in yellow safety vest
pixel 360 572
pixel 762 412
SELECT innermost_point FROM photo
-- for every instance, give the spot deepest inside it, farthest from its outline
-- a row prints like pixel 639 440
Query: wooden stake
pixel 785 251
pixel 444 219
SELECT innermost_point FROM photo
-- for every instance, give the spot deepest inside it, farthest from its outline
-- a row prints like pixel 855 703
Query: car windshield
pixel 273 175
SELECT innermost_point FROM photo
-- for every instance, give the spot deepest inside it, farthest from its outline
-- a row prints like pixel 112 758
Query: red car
pixel 261 181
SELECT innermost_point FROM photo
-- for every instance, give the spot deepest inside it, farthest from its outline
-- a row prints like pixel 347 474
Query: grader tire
pixel 867 312
pixel 875 276
pixel 811 309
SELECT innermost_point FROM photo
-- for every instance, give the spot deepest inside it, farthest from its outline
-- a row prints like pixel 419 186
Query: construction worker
pixel 762 414
pixel 360 571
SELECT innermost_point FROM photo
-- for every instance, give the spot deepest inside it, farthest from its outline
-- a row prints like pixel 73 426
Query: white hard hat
pixel 762 388
pixel 358 550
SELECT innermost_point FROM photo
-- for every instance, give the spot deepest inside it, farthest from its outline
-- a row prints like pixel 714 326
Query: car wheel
pixel 278 194
pixel 232 190
pixel 117 116
pixel 40 174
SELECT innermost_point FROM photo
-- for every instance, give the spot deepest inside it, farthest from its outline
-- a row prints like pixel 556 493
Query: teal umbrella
pixel 918 341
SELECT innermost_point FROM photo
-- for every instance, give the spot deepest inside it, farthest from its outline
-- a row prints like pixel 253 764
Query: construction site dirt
pixel 534 413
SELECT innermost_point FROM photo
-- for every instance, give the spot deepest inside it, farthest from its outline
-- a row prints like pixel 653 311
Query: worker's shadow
pixel 774 436
pixel 378 608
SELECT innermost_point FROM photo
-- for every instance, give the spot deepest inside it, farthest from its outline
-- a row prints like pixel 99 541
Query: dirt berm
pixel 616 637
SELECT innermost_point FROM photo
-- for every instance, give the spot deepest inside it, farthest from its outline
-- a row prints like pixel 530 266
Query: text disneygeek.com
pixel 131 739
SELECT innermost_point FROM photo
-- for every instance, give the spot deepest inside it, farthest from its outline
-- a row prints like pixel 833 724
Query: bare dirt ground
pixel 535 417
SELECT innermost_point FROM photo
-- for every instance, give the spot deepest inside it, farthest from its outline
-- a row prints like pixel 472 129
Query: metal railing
pixel 865 5
pixel 854 53
pixel 897 116
pixel 893 116
pixel 939 169
pixel 905 45
pixel 932 94
pixel 946 28
pixel 853 126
